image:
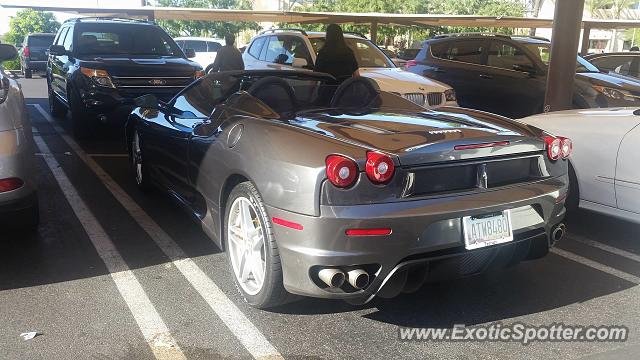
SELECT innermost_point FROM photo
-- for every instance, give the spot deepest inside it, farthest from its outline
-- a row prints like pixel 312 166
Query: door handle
pixel 485 76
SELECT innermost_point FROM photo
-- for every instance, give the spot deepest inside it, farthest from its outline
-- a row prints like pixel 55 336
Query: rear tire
pixel 56 108
pixel 79 117
pixel 247 220
pixel 573 197
pixel 28 74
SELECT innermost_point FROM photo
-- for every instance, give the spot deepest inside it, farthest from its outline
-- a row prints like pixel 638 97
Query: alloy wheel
pixel 246 245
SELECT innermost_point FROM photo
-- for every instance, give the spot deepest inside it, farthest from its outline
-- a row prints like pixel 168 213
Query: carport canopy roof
pixel 175 13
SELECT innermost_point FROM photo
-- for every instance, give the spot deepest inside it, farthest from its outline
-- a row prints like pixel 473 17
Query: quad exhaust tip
pixel 334 278
pixel 358 278
pixel 558 233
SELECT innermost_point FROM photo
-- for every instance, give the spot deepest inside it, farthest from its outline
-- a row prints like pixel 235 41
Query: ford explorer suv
pixel 507 75
pixel 98 66
pixel 287 49
pixel 33 54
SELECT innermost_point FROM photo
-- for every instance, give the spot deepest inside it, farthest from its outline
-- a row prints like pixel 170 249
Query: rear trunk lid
pixel 38 46
pixel 426 138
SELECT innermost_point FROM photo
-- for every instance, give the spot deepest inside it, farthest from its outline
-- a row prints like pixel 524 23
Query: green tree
pixel 206 28
pixel 29 21
pixel 386 33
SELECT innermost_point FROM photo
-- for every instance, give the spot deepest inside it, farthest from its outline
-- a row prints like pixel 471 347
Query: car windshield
pixel 94 39
pixel 542 51
pixel 41 40
pixel 367 54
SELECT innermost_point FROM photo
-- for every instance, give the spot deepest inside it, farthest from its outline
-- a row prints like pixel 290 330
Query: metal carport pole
pixel 564 48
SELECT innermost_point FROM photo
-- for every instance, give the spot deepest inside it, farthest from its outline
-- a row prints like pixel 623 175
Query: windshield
pixel 94 39
pixel 367 54
pixel 542 51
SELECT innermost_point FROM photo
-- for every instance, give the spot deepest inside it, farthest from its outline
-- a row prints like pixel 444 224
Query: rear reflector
pixel 368 232
pixel 10 184
pixel 286 223
pixel 480 146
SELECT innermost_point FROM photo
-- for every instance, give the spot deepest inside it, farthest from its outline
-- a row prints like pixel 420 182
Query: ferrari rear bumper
pixel 425 241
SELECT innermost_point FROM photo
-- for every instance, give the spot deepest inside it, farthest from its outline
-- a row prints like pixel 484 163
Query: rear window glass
pixel 196 45
pixel 43 41
pixel 469 51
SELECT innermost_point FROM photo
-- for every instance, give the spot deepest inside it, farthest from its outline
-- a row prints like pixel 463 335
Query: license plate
pixel 487 230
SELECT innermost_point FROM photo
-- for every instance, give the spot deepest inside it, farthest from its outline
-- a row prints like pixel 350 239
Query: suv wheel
pixel 79 119
pixel 56 108
pixel 27 74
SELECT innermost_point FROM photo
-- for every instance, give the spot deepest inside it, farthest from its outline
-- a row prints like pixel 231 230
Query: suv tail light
pixel 379 167
pixel 566 147
pixel 341 171
pixel 554 147
pixel 409 64
pixel 26 52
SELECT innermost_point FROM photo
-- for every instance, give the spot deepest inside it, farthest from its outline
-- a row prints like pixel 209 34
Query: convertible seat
pixel 276 93
pixel 356 92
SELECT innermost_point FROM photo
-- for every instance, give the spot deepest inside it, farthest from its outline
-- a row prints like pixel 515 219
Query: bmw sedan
pixel 348 192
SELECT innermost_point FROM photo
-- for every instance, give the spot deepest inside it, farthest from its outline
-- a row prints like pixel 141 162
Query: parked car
pixel 623 63
pixel 394 57
pixel 206 49
pixel 97 66
pixel 18 193
pixel 288 49
pixel 33 53
pixel 350 196
pixel 408 54
pixel 507 74
pixel 605 179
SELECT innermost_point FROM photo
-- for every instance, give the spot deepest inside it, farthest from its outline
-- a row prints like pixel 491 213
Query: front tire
pixel 56 108
pixel 79 117
pixel 138 168
pixel 251 249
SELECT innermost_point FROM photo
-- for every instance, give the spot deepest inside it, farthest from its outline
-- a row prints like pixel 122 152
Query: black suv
pixel 97 66
pixel 507 74
pixel 33 53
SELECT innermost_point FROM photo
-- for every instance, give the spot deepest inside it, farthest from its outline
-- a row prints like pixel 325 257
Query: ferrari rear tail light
pixel 10 184
pixel 410 63
pixel 566 147
pixel 554 147
pixel 379 167
pixel 26 52
pixel 341 171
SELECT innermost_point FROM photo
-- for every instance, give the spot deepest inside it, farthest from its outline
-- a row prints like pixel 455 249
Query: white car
pixel 283 49
pixel 18 195
pixel 206 49
pixel 605 159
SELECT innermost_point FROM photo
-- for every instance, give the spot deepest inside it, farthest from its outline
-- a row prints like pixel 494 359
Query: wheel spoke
pixel 257 269
pixel 245 268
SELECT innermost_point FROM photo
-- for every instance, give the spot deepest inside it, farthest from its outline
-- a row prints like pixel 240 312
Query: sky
pixel 5 14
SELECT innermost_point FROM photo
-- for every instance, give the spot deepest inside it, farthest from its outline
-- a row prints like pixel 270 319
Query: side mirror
pixel 525 68
pixel 7 52
pixel 190 53
pixel 148 101
pixel 57 50
pixel 299 62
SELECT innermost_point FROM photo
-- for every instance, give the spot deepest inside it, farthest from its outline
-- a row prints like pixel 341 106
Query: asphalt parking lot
pixel 112 273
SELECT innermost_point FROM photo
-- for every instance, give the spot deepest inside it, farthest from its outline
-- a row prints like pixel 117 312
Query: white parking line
pixel 248 335
pixel 605 247
pixel 149 321
pixel 596 265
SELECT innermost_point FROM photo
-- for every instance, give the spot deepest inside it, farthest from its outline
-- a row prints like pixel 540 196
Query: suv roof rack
pixel 110 18
pixel 283 29
pixel 470 34
pixel 354 33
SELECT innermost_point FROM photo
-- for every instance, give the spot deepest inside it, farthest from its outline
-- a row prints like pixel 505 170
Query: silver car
pixel 18 197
